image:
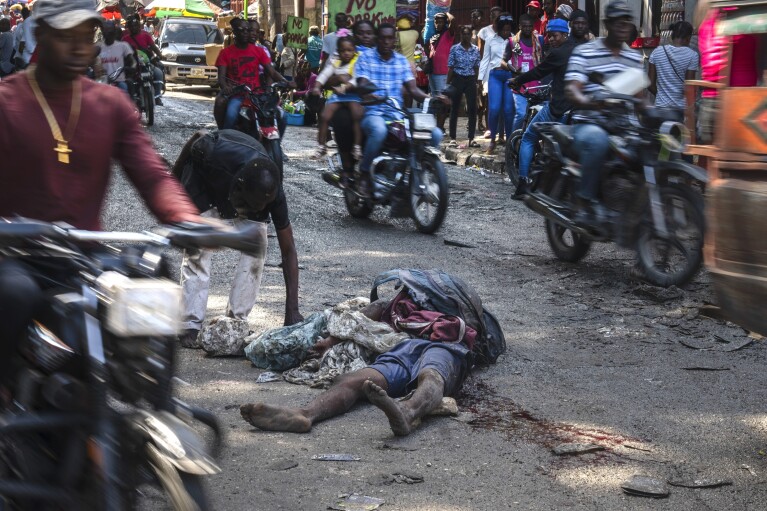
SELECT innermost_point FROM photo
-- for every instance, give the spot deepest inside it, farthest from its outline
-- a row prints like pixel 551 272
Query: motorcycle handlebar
pixel 246 238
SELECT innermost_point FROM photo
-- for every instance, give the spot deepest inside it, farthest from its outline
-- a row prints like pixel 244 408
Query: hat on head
pixel 565 11
pixel 578 14
pixel 557 25
pixel 440 15
pixel 65 14
pixel 313 28
pixel 618 9
pixel 403 23
pixel 535 4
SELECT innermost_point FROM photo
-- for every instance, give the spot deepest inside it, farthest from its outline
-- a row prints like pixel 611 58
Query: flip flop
pixel 474 143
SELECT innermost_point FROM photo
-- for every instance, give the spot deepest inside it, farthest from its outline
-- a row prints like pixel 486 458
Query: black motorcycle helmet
pixel 254 186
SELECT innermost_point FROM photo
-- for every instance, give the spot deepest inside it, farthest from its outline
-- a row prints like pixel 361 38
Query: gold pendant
pixel 63 149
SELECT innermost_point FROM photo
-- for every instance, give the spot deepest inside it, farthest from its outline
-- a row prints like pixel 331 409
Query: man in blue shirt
pixel 389 71
pixel 463 68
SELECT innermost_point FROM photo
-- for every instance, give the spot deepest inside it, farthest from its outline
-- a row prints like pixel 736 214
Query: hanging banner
pixel 297 35
pixel 375 11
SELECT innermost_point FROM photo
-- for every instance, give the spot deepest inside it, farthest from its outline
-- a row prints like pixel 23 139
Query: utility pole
pixel 298 8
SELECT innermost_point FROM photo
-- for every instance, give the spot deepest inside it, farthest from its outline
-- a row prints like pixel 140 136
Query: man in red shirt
pixel 534 10
pixel 58 138
pixel 143 45
pixel 238 64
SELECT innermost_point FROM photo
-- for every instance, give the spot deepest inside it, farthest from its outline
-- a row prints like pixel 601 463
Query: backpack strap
pixel 383 278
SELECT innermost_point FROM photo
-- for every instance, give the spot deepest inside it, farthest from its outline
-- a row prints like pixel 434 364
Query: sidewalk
pixel 473 155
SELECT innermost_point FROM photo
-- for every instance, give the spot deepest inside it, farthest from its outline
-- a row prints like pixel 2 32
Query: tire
pixel 512 156
pixel 673 262
pixel 186 492
pixel 357 207
pixel 434 179
pixel 148 97
pixel 567 245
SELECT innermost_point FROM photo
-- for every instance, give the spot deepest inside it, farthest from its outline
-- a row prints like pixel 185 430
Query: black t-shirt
pixel 208 175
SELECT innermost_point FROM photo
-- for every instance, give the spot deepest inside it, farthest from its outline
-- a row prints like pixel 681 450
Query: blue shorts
pixel 401 366
pixel 343 98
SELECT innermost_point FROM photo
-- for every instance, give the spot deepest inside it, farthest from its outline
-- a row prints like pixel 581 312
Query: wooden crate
pixel 211 53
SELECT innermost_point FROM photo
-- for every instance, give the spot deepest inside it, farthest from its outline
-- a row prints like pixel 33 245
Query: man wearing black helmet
pixel 607 56
pixel 229 175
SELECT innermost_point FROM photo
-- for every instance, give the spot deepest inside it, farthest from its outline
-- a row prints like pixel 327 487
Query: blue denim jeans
pixel 374 128
pixel 500 100
pixel 437 83
pixel 531 136
pixel 123 86
pixel 592 145
pixel 520 109
pixel 232 111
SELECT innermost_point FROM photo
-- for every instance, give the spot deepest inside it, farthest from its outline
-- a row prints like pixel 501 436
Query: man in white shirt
pixel 483 36
pixel 329 41
pixel 115 55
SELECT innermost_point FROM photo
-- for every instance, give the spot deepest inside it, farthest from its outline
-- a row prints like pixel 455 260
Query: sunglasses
pixel 506 18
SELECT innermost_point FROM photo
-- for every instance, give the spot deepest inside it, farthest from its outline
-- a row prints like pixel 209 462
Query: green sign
pixel 375 11
pixel 297 35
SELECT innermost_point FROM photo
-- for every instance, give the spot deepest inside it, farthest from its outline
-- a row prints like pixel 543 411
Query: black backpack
pixel 438 291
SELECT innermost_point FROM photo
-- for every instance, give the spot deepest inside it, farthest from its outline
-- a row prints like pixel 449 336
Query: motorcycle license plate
pixel 197 72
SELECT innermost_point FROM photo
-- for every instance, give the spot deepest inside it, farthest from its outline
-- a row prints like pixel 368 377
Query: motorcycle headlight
pixel 170 57
pixel 47 351
pixel 141 307
pixel 424 122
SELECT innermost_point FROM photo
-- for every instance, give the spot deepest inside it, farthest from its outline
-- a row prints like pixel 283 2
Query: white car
pixel 182 43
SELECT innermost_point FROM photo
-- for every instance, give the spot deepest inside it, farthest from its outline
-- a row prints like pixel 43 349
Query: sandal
pixel 320 152
pixel 474 143
pixel 491 149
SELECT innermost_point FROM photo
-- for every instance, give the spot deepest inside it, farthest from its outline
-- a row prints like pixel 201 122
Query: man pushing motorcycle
pixel 389 71
pixel 606 56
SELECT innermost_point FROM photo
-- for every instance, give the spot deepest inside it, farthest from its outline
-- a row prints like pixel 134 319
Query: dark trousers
pixel 20 297
pixel 464 85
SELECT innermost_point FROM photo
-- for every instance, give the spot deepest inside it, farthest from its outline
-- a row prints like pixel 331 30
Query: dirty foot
pixel 275 418
pixel 399 423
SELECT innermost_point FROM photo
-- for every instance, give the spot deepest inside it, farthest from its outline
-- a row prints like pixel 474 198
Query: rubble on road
pixel 223 336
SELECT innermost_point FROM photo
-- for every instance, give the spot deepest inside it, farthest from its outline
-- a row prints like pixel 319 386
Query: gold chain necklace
pixel 62 144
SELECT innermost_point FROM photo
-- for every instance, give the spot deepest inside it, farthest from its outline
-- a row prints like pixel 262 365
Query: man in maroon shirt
pixel 58 136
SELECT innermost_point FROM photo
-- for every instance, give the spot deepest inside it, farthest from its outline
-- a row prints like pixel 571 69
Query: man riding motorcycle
pixel 143 44
pixel 115 55
pixel 555 64
pixel 389 71
pixel 607 56
pixel 60 173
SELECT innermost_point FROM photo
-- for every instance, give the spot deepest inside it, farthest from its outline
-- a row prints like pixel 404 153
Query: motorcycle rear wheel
pixel 567 245
pixel 435 189
pixel 186 492
pixel 148 99
pixel 675 261
pixel 512 156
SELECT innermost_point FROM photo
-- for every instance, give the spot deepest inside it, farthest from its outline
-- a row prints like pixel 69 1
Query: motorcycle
pixel 260 117
pixel 653 198
pixel 408 174
pixel 536 96
pixel 92 415
pixel 140 88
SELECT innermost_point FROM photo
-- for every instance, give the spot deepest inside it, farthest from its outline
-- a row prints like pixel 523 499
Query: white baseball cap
pixel 65 14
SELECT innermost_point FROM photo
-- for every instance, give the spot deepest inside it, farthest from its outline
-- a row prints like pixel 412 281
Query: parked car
pixel 182 42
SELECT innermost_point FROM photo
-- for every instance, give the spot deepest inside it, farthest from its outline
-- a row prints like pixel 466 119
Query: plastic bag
pixel 283 348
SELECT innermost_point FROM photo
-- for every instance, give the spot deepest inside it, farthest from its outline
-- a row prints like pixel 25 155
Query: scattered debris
pixel 700 483
pixel 283 465
pixel 737 345
pixel 335 457
pixel 408 478
pixel 705 368
pixel 636 447
pixel 452 243
pixel 646 486
pixel 658 294
pixel 696 344
pixel 749 469
pixel 397 447
pixel 355 502
pixel 268 376
pixel 223 336
pixel 711 311
pixel 397 477
pixel 569 449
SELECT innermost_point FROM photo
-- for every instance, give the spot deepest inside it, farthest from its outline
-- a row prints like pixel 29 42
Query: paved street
pixel 592 358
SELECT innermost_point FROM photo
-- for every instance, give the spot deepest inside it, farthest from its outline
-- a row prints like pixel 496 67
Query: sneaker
pixel 188 339
pixel 521 190
pixel 158 101
pixel 357 152
pixel 320 152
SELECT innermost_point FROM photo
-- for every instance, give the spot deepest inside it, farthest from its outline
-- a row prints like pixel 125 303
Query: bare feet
pixel 275 418
pixel 398 420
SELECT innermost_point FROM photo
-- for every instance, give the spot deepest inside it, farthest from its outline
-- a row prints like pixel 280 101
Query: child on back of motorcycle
pixel 343 67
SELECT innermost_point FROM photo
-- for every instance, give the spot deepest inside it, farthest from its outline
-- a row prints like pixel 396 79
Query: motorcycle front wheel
pixel 567 245
pixel 148 98
pixel 673 261
pixel 186 492
pixel 356 205
pixel 429 195
pixel 512 156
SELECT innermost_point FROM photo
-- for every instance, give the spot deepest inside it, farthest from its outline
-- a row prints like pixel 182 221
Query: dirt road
pixel 592 358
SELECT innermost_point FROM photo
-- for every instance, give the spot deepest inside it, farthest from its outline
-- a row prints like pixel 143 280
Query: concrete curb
pixel 476 156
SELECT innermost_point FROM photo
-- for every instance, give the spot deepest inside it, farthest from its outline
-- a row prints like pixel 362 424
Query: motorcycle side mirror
pixel 164 45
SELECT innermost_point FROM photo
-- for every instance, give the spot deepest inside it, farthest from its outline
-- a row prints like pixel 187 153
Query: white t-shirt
pixel 671 64
pixel 329 43
pixel 486 33
pixel 113 57
pixel 492 56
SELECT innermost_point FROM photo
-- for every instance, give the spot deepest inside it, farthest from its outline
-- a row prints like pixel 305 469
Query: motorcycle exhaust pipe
pixel 550 210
